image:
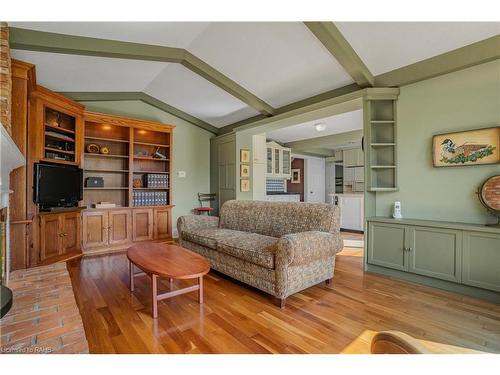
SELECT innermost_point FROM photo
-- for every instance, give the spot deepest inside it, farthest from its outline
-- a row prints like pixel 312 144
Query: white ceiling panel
pixel 280 62
pixel 187 91
pixel 337 124
pixel 170 34
pixel 385 46
pixel 60 72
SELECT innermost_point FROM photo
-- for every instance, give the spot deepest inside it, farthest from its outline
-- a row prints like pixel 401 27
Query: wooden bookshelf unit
pixel 134 150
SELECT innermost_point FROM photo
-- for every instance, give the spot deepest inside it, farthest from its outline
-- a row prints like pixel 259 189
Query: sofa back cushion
pixel 279 218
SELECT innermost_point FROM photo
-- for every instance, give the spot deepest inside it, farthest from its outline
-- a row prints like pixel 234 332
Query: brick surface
pixel 5 77
pixel 44 317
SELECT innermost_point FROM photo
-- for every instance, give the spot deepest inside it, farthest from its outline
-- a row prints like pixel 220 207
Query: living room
pixel 209 187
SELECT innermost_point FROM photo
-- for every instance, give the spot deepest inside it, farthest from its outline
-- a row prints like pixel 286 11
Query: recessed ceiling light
pixel 320 126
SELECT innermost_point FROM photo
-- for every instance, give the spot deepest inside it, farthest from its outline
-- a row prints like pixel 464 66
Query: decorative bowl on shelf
pixel 93 148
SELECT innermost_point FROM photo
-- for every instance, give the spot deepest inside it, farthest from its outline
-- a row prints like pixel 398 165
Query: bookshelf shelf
pixel 51 149
pixel 112 140
pixel 151 144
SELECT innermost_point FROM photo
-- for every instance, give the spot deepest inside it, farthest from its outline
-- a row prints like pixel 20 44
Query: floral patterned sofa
pixel 278 247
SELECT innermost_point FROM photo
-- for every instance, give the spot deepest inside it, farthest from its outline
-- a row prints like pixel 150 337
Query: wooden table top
pixel 167 260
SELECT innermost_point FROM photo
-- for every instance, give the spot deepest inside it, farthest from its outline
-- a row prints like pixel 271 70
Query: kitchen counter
pixel 280 193
pixel 282 196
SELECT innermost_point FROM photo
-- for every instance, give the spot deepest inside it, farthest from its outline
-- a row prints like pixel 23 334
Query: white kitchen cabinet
pixel 259 148
pixel 359 174
pixel 351 210
pixel 283 198
pixel 278 161
pixel 354 157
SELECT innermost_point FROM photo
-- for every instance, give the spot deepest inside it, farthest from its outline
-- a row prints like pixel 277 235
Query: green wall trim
pixel 137 95
pixel 32 40
pixel 333 40
pixel 458 59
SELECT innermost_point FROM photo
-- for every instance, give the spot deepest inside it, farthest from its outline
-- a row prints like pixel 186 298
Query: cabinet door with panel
pixel 287 163
pixel 269 153
pixel 71 232
pixel 95 228
pixel 387 245
pixel 50 236
pixel 119 227
pixel 142 224
pixel 162 223
pixel 436 252
pixel 481 260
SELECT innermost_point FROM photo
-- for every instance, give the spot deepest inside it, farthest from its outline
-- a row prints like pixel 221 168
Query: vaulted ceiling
pixel 253 68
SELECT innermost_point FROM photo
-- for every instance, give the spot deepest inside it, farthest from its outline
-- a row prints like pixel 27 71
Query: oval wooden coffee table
pixel 169 261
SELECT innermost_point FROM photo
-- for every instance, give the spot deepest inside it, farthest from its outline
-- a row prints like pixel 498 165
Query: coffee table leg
pixel 171 283
pixel 131 268
pixel 200 291
pixel 154 282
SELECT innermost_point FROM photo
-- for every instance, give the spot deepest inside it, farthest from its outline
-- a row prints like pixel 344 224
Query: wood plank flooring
pixel 235 318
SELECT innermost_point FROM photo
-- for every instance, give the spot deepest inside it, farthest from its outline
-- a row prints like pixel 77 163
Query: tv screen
pixel 57 185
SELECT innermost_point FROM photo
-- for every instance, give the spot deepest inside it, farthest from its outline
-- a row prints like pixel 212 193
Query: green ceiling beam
pixel 339 47
pixel 41 41
pixel 473 54
pixel 148 99
pixel 327 141
pixel 201 68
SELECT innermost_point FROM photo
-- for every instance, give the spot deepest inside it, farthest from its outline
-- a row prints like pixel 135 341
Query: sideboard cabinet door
pixel 95 228
pixel 120 226
pixel 387 244
pixel 142 224
pixel 50 236
pixel 481 260
pixel 436 252
pixel 162 225
pixel 71 232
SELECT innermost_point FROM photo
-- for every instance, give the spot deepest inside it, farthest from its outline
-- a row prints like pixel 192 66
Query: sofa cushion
pixel 208 236
pixel 251 247
pixel 276 219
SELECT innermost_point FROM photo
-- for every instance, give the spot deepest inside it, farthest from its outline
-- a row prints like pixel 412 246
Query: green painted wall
pixel 462 100
pixel 191 150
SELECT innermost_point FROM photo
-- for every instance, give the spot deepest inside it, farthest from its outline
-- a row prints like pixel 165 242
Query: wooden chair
pixel 205 197
pixel 395 342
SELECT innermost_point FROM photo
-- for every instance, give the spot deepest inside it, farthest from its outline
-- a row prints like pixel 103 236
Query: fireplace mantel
pixel 10 159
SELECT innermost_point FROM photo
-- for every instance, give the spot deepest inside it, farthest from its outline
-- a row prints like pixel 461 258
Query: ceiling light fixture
pixel 320 126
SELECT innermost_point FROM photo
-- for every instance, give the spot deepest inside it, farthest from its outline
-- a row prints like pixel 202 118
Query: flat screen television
pixel 57 186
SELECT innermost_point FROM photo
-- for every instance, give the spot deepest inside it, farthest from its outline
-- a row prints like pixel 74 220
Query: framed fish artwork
pixel 471 147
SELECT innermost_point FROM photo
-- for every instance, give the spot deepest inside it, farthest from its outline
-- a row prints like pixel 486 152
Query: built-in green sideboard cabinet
pixel 481 260
pixel 459 254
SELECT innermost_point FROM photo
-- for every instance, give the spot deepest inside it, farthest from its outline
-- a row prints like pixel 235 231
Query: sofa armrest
pixel 304 247
pixel 190 222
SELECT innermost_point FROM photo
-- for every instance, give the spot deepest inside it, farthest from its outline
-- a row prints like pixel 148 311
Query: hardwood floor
pixel 340 318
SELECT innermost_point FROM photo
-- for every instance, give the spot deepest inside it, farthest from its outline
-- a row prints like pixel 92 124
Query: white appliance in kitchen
pixel 351 210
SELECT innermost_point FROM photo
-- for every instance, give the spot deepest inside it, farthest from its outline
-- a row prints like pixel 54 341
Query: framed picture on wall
pixel 244 155
pixel 244 185
pixel 295 176
pixel 244 170
pixel 470 147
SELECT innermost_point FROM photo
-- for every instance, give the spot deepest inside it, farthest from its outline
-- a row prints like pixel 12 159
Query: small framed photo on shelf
pixel 244 155
pixel 244 185
pixel 244 170
pixel 295 176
